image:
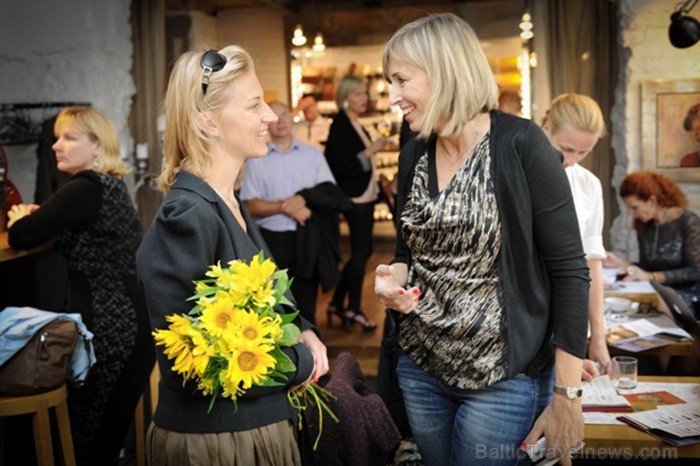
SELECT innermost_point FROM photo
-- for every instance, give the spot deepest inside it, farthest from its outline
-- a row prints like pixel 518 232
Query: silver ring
pixel 629 270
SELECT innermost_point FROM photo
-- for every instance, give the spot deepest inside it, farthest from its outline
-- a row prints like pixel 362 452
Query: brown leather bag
pixel 42 364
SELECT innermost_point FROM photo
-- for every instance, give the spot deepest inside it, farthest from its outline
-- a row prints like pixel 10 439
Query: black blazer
pixel 194 229
pixel 342 147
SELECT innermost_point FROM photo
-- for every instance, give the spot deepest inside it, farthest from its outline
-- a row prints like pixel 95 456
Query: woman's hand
pixel 590 370
pixel 318 350
pixel 375 147
pixel 599 354
pixel 611 260
pixel 389 287
pixel 561 423
pixel 636 273
pixel 19 211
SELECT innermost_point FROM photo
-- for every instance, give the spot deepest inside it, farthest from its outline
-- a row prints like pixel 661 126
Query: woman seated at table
pixel 668 234
pixel 96 227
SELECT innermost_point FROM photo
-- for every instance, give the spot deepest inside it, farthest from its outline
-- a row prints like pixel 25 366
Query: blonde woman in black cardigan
pixel 216 120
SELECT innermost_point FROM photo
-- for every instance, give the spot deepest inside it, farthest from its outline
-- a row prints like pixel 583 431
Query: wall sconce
pixel 526 27
pixel 684 31
pixel 298 39
pixel 319 46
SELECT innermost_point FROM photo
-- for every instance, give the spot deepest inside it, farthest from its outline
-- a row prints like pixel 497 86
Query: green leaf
pixel 290 335
pixel 270 382
pixel 284 364
pixel 205 292
pixel 288 318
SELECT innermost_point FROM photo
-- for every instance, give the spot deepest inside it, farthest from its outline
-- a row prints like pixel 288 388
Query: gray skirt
pixel 273 445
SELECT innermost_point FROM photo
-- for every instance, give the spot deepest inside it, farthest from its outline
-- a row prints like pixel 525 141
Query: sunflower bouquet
pixel 232 339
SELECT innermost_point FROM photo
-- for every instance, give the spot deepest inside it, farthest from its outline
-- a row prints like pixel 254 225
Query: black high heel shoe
pixel 334 311
pixel 359 317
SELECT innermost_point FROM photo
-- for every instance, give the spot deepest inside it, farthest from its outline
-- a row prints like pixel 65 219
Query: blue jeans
pixel 471 427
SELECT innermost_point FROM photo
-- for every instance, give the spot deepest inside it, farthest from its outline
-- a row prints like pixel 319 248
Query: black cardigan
pixel 543 270
pixel 342 147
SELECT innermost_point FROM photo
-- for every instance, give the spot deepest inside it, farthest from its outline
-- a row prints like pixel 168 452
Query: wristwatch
pixel 569 392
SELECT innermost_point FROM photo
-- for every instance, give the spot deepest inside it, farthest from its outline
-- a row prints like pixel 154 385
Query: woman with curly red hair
pixel 668 234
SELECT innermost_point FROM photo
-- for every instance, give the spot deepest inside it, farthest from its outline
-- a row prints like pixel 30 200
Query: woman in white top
pixel 574 124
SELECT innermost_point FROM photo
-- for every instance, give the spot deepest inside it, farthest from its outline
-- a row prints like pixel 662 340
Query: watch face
pixel 571 392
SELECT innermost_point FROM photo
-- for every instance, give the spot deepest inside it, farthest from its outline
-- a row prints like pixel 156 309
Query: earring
pixel 345 105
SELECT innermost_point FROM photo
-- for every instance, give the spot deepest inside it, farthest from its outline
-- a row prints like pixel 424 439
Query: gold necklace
pixel 466 151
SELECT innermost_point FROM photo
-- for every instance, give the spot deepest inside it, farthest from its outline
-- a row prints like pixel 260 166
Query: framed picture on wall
pixel 671 128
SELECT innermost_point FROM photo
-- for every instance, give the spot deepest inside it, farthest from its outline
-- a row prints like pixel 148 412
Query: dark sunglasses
pixel 211 61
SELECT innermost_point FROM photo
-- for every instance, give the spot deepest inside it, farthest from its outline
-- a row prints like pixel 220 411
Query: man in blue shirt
pixel 295 201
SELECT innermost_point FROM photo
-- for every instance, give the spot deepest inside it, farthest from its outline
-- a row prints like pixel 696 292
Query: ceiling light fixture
pixel 298 39
pixel 319 46
pixel 526 26
pixel 684 31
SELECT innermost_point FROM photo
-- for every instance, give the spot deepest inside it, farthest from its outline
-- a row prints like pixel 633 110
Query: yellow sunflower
pixel 249 365
pixel 206 385
pixel 255 280
pixel 217 316
pixel 252 327
pixel 202 351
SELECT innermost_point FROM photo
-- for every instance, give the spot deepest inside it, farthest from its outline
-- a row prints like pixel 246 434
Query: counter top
pixel 8 253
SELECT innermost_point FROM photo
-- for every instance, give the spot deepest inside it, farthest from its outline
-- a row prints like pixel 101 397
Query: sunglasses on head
pixel 211 61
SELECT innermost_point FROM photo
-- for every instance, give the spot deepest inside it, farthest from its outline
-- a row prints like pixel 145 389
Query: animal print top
pixel 456 333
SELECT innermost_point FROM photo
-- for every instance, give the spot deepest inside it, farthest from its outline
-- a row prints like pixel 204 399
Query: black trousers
pixel 305 290
pixel 360 222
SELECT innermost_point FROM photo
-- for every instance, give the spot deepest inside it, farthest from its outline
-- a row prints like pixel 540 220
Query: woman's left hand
pixel 561 423
pixel 318 350
pixel 635 273
pixel 389 287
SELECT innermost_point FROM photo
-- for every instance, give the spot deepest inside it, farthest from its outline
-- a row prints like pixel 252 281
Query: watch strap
pixel 569 392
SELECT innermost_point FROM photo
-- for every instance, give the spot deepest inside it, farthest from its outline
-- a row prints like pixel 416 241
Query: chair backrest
pixel 682 314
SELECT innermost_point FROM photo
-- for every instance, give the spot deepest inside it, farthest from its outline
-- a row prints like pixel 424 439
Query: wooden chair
pixel 140 418
pixel 38 406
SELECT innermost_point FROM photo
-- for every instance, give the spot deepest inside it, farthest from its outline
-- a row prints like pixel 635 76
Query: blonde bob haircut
pixel 346 86
pixel 578 111
pixel 461 81
pixel 99 129
pixel 185 143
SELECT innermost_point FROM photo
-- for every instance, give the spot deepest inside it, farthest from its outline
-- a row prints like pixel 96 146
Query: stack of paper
pixel 600 395
pixel 677 424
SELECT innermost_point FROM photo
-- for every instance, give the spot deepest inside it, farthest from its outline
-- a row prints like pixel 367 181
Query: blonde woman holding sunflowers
pixel 216 120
